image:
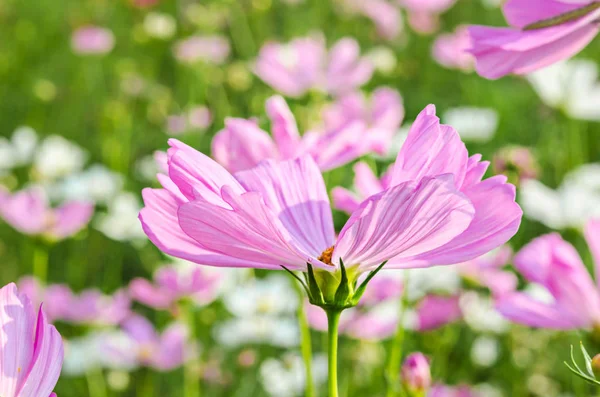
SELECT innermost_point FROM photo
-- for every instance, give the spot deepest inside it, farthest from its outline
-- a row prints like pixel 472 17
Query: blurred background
pixel 92 89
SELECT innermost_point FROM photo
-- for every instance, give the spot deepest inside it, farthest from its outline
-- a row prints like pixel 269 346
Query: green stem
pixel 96 384
pixel 395 358
pixel 191 378
pixel 333 319
pixel 40 262
pixel 305 345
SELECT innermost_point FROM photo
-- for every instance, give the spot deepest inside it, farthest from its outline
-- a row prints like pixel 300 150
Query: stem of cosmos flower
pixel 305 345
pixel 395 358
pixel 40 262
pixel 95 381
pixel 333 319
pixel 190 369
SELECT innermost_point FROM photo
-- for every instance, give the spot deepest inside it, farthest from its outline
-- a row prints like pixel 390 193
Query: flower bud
pixel 416 373
pixel 596 365
pixel 516 162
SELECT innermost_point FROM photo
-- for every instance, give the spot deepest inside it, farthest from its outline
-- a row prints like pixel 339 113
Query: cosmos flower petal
pixel 283 126
pixel 520 13
pixel 592 236
pixel 523 309
pixel 403 221
pixel 71 217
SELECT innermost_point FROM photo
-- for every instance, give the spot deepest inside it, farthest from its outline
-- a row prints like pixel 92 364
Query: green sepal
pixel 343 293
pixel 315 295
pixel 361 289
pixel 577 371
pixel 297 278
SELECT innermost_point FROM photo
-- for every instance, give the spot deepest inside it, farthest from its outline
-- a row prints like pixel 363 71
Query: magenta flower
pixel 243 145
pixel 304 64
pixel 91 40
pixel 416 373
pixel 451 50
pixel 430 149
pixel 31 350
pixel 543 32
pixel 569 298
pixel 172 285
pixel 423 15
pixel 29 212
pixel 162 352
pixel 436 311
pixel 277 214
pixel 210 49
pixel 439 390
pixel 90 307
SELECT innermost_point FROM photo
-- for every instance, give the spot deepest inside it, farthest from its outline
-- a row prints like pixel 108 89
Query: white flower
pixel 275 331
pixel 479 313
pixel 286 377
pixel 58 157
pixel 472 123
pixel 159 25
pixel 485 351
pixel 441 279
pixel 575 201
pixel 19 149
pixel 121 221
pixel 97 184
pixel 383 59
pixel 571 86
pixel 273 295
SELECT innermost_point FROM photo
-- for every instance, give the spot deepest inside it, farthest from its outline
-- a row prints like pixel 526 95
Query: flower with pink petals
pixel 416 373
pixel 568 298
pixel 304 64
pixel 172 285
pixel 451 391
pixel 242 144
pixel 31 350
pixel 543 32
pixel 92 40
pixel 435 311
pixel 210 49
pixel 385 15
pixel 436 211
pixel 423 15
pixel 28 211
pixel 486 271
pixel 451 50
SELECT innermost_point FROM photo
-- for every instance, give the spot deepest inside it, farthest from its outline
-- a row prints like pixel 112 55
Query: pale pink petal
pixel 17 322
pixel 70 218
pixel 523 309
pixel 339 147
pixel 242 145
pixel 48 354
pixel 172 347
pixel 26 211
pixel 430 149
pixel 592 236
pixel 520 13
pixel 249 231
pixel 404 221
pixel 365 180
pixel 146 293
pixel 346 70
pixel 140 330
pixel 295 191
pixel 436 311
pixel 283 127
pixel 345 200
pixel 475 171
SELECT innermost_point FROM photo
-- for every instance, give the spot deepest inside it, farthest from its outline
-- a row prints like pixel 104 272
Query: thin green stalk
pixel 392 371
pixel 333 319
pixel 191 377
pixel 305 345
pixel 40 262
pixel 96 384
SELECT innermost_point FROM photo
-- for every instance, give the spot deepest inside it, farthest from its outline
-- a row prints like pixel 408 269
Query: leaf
pixel 588 360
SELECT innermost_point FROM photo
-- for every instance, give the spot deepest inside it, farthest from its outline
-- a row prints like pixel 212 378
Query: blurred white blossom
pixel 121 222
pixel 97 183
pixel 159 25
pixel 286 377
pixel 479 313
pixel 58 157
pixel 472 123
pixel 18 150
pixel 485 351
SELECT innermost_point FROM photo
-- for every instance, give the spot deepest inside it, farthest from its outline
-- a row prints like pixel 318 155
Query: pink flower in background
pixel 382 113
pixel 366 184
pixel 89 307
pixel 90 40
pixel 486 270
pixel 210 49
pixel 543 32
pixel 243 145
pixel 516 162
pixel 451 50
pixel 31 350
pixel 28 211
pixel 279 213
pixel 432 148
pixel 304 64
pixel 416 373
pixel 162 352
pixel 435 311
pixel 423 15
pixel 385 15
pixel 565 296
pixel 451 391
pixel 172 284
pixel 197 118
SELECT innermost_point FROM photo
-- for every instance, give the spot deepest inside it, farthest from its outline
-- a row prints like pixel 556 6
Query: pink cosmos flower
pixel 90 307
pixel 436 210
pixel 385 15
pixel 486 271
pixel 416 373
pixel 435 311
pixel 517 162
pixel 90 40
pixel 304 64
pixel 211 49
pixel 571 299
pixel 243 145
pixel 451 50
pixel 31 350
pixel 171 285
pixel 163 352
pixel 197 118
pixel 451 391
pixel 543 32
pixel 29 212
pixel 423 15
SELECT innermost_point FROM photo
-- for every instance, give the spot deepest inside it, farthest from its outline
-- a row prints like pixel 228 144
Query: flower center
pixel 326 256
pixel 564 18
